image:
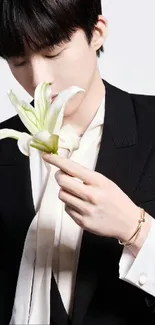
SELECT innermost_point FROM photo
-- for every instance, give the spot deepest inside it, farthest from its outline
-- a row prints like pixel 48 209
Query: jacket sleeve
pixel 140 270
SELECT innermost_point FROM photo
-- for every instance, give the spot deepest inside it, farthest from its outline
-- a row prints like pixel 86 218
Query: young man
pixel 92 279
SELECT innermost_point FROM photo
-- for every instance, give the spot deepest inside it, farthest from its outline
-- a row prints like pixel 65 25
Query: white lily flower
pixel 44 121
pixel 68 138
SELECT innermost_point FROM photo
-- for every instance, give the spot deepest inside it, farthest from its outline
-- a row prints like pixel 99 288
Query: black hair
pixel 39 24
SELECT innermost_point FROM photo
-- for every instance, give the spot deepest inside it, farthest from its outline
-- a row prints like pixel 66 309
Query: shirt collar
pixel 98 119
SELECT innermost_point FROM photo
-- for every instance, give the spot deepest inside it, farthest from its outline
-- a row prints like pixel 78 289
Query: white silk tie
pixel 32 299
pixel 32 302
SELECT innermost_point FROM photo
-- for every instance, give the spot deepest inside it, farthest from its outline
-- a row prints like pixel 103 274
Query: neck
pixel 85 113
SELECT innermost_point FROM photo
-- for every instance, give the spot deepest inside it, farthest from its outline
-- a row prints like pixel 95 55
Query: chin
pixel 69 111
pixel 74 105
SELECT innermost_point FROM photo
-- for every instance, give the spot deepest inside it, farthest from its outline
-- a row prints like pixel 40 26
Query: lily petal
pixel 50 142
pixel 68 138
pixel 55 117
pixel 24 143
pixel 42 102
pixel 43 136
pixel 40 146
pixel 26 113
pixel 9 133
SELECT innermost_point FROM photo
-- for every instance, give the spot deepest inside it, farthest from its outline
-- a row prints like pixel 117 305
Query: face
pixel 72 63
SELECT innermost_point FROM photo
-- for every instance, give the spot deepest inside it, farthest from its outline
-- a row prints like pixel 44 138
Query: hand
pixel 95 203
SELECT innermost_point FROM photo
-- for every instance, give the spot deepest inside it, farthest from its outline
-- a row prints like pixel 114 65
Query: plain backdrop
pixel 129 58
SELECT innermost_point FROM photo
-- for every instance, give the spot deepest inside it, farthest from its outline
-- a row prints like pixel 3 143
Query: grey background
pixel 129 58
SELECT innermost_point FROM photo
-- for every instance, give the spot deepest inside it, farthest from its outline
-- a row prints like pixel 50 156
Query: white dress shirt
pixel 138 271
pixel 68 234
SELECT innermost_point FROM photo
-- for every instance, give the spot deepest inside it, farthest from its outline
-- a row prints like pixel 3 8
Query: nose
pixel 40 72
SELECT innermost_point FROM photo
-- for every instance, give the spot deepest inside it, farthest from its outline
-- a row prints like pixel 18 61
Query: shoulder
pixel 140 107
pixel 139 102
pixel 13 123
pixel 144 104
pixel 144 109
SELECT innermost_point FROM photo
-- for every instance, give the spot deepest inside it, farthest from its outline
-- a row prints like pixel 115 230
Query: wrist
pixel 130 223
pixel 135 218
pixel 142 236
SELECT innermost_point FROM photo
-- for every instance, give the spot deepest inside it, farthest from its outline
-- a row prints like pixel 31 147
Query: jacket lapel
pixel 17 169
pixel 16 214
pixel 123 154
pixel 124 148
pixel 12 156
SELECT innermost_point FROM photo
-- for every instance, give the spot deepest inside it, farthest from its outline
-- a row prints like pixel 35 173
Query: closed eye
pixel 19 64
pixel 52 56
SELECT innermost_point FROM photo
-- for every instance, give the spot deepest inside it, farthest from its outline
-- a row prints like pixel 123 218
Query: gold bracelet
pixel 138 229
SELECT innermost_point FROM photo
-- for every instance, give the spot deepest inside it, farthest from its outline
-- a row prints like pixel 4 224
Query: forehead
pixel 56 21
pixel 78 42
pixel 22 37
pixel 44 50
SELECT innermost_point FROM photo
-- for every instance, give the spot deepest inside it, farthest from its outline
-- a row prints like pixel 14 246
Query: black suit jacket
pixel 127 157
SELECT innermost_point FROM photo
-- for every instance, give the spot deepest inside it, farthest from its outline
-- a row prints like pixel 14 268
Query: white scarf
pixel 32 299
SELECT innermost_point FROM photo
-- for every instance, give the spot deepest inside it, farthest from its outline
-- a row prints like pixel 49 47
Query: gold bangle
pixel 137 231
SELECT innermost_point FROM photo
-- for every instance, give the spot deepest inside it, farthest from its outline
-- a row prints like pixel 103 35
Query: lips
pixel 54 97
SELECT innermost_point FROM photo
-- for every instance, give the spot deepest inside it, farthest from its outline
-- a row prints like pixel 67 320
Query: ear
pixel 100 33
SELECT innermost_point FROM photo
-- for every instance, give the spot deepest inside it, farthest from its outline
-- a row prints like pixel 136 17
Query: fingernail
pixel 45 155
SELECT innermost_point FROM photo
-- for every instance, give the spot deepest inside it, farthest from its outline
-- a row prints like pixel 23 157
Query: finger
pixel 73 169
pixel 73 186
pixel 77 204
pixel 75 216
